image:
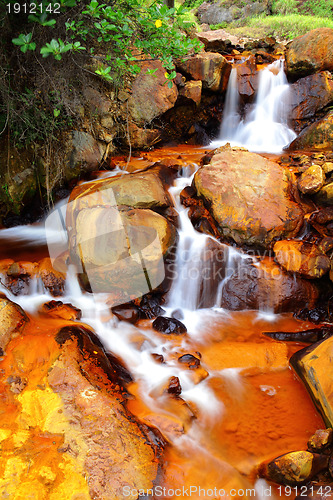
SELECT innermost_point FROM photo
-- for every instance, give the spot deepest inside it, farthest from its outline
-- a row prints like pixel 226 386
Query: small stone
pixel 325 245
pixel 327 167
pixel 293 468
pixel 57 309
pixel 174 386
pixel 191 361
pixel 312 180
pixel 157 357
pixel 126 312
pixel 169 325
pixel 321 439
pixel 177 314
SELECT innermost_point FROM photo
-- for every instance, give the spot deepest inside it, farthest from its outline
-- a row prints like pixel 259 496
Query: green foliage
pixel 317 8
pixel 44 48
pixel 284 7
pixel 219 26
pixel 56 48
pixel 287 27
pixel 24 42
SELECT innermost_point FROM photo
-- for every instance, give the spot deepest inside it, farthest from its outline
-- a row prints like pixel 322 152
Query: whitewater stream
pixel 236 409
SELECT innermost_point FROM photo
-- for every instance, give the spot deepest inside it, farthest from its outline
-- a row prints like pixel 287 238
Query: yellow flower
pixel 166 75
pixel 158 23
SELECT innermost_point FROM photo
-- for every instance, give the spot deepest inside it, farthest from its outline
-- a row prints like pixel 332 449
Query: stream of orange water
pixel 251 406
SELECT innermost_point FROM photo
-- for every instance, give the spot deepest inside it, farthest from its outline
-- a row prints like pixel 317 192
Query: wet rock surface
pixel 309 336
pixel 73 415
pixel 169 325
pixel 309 95
pixel 293 468
pixel 266 286
pixel 313 365
pixel 316 136
pixel 302 258
pixel 209 67
pixel 12 322
pixel 249 197
pixel 310 53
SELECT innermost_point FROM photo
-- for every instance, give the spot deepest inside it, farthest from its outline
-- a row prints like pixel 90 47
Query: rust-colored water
pixel 264 410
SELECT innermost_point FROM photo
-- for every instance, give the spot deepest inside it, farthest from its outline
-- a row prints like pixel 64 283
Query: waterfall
pixel 265 127
pixel 199 270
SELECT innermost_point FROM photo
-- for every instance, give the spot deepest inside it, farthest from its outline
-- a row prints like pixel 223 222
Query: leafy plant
pixel 56 48
pixel 24 42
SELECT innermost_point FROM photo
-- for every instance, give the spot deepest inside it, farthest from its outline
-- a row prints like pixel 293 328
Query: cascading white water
pixel 265 128
pixel 198 275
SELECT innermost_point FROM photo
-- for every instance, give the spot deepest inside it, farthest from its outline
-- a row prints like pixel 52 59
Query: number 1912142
pixel 33 8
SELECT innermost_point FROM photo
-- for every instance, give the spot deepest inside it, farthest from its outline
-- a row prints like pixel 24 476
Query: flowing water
pixel 265 127
pixel 238 408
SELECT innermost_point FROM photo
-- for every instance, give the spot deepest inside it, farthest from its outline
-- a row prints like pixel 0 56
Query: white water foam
pixel 265 128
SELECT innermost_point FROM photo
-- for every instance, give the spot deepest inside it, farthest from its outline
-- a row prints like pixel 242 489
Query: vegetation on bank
pixel 51 48
pixel 284 19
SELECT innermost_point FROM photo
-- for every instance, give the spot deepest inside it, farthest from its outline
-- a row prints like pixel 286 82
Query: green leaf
pixel 56 112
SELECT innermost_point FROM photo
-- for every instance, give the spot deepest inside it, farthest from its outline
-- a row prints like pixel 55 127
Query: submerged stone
pixel 169 325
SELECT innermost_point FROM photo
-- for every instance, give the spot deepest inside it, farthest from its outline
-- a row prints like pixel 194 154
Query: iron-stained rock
pixel 321 439
pixel 302 258
pixel 249 196
pixel 311 180
pixel 293 468
pixel 314 365
pixel 310 53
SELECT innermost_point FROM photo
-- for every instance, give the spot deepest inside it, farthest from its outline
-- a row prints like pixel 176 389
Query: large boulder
pixel 143 189
pixel 314 365
pixel 117 249
pixel 267 287
pixel 309 95
pixel 12 322
pixel 116 239
pixel 68 434
pixel 219 12
pixel 247 78
pixel 217 40
pixel 249 196
pixel 318 135
pixel 150 97
pixel 209 67
pixel 310 53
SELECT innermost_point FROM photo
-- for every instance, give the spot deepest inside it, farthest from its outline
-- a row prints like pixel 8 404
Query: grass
pixel 281 27
pixel 289 26
pixel 286 20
